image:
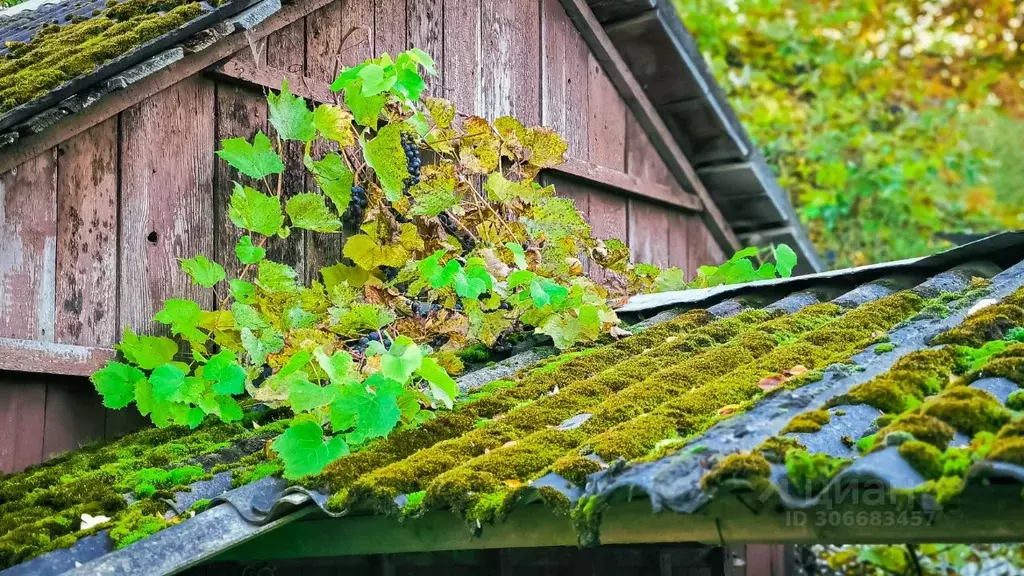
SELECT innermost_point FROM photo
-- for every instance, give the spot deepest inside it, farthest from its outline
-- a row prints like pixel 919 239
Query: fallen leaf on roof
pixel 88 521
pixel 619 333
pixel 730 409
pixel 981 304
pixel 771 382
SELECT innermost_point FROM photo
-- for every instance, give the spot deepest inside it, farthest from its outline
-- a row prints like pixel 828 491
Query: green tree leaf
pixel 334 179
pixel 290 116
pixel 183 316
pixel 147 352
pixel 117 382
pixel 305 396
pixel 203 271
pixel 276 277
pixel 226 373
pixel 247 252
pixel 167 381
pixel 310 212
pixel 785 260
pixel 384 153
pixel 402 360
pixel 441 384
pixel 305 451
pixel 375 413
pixel 255 211
pixel 256 160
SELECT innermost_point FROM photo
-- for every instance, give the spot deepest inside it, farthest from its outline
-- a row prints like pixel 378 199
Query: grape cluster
pixel 353 216
pixel 412 154
pixel 423 309
pixel 465 240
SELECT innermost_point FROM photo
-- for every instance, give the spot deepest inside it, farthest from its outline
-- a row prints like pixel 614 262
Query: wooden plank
pixel 74 415
pixel 240 69
pixel 166 199
pixel 609 218
pixel 389 27
pixel 606 129
pixel 680 253
pixel 564 78
pixel 323 45
pixel 642 159
pixel 627 184
pixel 425 21
pixel 28 235
pixel 51 358
pixel 703 248
pixel 357 31
pixel 86 291
pixel 510 60
pixel 648 233
pixel 620 76
pixel 461 61
pixel 22 408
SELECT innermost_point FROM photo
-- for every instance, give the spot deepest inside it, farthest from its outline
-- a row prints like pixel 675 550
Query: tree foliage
pixel 887 122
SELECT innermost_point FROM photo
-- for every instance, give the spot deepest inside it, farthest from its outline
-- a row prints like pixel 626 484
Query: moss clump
pixel 413 503
pixel 810 421
pixel 988 324
pixel 884 347
pixel 969 410
pixel 911 379
pixel 142 520
pixel 924 457
pixel 750 467
pixel 808 473
pixel 774 449
pixel 475 353
pixel 922 427
pixel 576 467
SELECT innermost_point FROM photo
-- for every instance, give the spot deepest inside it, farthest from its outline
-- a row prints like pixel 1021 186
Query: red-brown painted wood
pixel 510 66
pixel 648 232
pixel 22 411
pixel 425 20
pixel 357 31
pixel 389 27
pixel 564 78
pixel 606 129
pixel 74 415
pixel 28 237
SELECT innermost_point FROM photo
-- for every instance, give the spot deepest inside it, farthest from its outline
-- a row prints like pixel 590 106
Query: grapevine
pixel 464 249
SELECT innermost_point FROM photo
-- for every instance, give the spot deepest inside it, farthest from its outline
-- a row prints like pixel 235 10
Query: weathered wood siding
pixel 91 230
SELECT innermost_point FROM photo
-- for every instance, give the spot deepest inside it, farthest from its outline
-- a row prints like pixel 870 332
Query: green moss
pixel 884 347
pixel 808 474
pixel 924 457
pixel 969 410
pixel 912 378
pixel 413 503
pixel 774 449
pixel 988 324
pixel 141 521
pixel 476 353
pixel 586 519
pixel 922 427
pixel 751 468
pixel 810 421
pixel 200 505
pixel 576 467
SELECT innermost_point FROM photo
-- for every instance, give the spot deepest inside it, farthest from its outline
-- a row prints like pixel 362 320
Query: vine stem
pixel 243 274
pixel 504 224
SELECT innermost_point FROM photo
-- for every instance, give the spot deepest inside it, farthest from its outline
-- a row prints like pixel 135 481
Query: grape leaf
pixel 248 253
pixel 147 352
pixel 375 79
pixel 203 271
pixel 334 179
pixel 566 329
pixel 245 316
pixel 296 317
pixel 402 360
pixel 670 279
pixel 441 111
pixel 438 276
pixel 276 277
pixel 230 411
pixel 290 116
pixel 334 123
pixel 384 153
pixel 368 254
pixel 117 382
pixel 547 147
pixel 310 212
pixel 256 160
pixel 423 59
pixel 144 400
pixel 518 254
pixel 557 218
pixel 183 316
pixel 785 260
pixel 365 109
pixel 409 84
pixel 167 380
pixel 362 317
pixel 375 413
pixel 441 384
pixel 337 366
pixel 242 291
pixel 268 342
pixel 305 396
pixel 255 211
pixel 225 371
pixel 544 292
pixel 473 280
pixel 305 451
pixel 479 148
pixel 501 189
pixel 765 271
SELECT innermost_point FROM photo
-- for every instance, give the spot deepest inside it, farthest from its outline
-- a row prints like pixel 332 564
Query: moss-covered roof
pixel 776 392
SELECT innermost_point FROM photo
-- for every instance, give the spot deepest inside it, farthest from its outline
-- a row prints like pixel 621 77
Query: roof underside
pixel 665 59
pixel 689 415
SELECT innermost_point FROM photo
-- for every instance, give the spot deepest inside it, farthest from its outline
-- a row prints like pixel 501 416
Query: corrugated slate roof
pixel 882 375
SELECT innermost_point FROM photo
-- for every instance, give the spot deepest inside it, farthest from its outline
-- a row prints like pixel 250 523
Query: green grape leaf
pixel 255 211
pixel 518 254
pixel 117 383
pixel 374 414
pixel 441 384
pixel 242 291
pixel 248 253
pixel 334 179
pixel 226 373
pixel 442 112
pixel 748 252
pixel 670 279
pixel 203 271
pixel 362 317
pixel 368 254
pixel 268 342
pixel 479 148
pixel 230 411
pixel 547 147
pixel 439 276
pixel 738 271
pixel 337 366
pixel 375 79
pixel 167 380
pixel 473 281
pixel 305 396
pixel 433 202
pixel 365 109
pixel 245 316
pixel 384 153
pixel 566 329
pixel 305 451
pixel 309 211
pixel 423 59
pixel 334 123
pixel 785 260
pixel 147 352
pixel 256 160
pixel 290 116
pixel 296 317
pixel 557 218
pixel 544 292
pixel 402 359
pixel 520 278
pixel 183 316
pixel 144 400
pixel 410 84
pixel 500 189
pixel 765 271
pixel 276 277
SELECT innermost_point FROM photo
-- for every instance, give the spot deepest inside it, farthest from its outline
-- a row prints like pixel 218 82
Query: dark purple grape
pixel 374 336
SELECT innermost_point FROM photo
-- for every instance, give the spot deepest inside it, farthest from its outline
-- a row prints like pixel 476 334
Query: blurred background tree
pixel 888 122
